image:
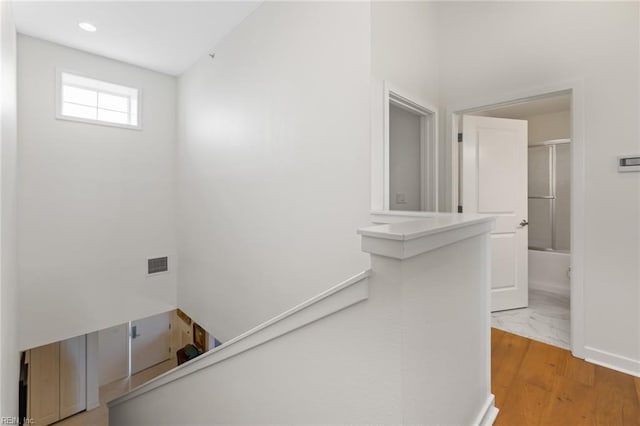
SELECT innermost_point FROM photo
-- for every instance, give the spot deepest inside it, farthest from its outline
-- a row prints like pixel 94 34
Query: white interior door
pixel 73 376
pixel 494 181
pixel 150 341
pixel 113 353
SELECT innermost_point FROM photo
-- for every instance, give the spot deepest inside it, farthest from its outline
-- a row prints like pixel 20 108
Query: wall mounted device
pixel 629 163
pixel 157 265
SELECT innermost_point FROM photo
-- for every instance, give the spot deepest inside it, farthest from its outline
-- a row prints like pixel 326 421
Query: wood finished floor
pixel 539 384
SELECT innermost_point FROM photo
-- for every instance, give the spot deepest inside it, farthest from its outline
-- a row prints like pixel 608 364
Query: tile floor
pixel 100 416
pixel 545 320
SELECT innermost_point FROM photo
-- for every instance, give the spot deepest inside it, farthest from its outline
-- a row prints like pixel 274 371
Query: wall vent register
pixel 98 102
pixel 157 265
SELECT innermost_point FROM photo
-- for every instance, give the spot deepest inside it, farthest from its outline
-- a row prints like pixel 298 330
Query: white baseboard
pixel 559 289
pixel 612 361
pixel 488 412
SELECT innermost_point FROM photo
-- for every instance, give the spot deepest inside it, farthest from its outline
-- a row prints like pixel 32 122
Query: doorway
pixel 150 342
pixel 410 152
pixel 547 262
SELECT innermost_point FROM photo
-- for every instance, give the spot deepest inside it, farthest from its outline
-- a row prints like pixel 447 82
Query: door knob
pixel 524 223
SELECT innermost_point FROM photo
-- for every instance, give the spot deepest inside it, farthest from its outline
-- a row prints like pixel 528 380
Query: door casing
pixel 576 90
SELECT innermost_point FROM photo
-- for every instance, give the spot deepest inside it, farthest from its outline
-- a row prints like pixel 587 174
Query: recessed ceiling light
pixel 87 27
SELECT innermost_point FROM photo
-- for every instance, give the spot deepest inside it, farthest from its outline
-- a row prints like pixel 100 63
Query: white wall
pixel 9 355
pixel 274 177
pixel 94 201
pixel 404 159
pixel 405 46
pixel 518 47
pixel 404 54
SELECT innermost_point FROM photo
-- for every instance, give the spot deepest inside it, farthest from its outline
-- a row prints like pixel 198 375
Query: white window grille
pixel 99 102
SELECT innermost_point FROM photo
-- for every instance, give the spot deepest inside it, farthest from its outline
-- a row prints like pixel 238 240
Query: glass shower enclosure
pixel 550 195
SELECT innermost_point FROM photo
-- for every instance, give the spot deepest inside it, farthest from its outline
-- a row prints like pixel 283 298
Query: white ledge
pixel 335 299
pixel 420 233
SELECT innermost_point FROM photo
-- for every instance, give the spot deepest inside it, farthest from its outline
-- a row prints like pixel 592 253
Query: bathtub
pixel 550 271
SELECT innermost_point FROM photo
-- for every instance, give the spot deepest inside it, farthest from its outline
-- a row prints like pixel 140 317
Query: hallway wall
pixel 9 355
pixel 273 163
pixel 404 56
pixel 516 47
pixel 94 201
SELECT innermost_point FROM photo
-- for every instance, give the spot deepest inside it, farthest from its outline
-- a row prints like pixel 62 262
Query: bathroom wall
pixel 554 125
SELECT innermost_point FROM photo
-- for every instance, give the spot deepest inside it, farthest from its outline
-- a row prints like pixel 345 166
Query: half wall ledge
pixel 414 236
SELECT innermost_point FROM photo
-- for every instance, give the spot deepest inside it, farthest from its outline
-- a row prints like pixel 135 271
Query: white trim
pixel 488 412
pixel 578 152
pixel 58 102
pixel 429 137
pixel 612 361
pixel 335 299
pixel 402 240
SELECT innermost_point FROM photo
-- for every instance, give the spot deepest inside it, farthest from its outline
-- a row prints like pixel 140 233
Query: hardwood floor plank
pixel 505 363
pixel 523 405
pixel 616 401
pixel 539 384
pixel 579 370
pixel 496 337
pixel 571 403
pixel 542 364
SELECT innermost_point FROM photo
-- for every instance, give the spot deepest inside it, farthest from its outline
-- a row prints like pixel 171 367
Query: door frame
pixel 576 90
pixel 428 145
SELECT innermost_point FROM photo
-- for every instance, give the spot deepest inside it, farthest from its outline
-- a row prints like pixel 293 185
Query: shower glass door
pixel 549 195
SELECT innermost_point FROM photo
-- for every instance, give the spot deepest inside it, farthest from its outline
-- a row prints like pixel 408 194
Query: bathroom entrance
pixel 547 220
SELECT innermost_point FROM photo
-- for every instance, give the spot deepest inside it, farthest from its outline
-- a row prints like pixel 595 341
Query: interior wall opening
pixel 411 148
pixel 547 317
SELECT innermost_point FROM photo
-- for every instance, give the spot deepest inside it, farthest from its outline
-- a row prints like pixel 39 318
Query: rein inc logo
pixel 14 420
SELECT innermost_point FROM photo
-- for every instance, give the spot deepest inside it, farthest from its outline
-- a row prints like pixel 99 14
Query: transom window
pixel 95 101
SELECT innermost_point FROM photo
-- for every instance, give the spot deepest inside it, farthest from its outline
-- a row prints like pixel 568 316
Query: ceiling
pixel 165 36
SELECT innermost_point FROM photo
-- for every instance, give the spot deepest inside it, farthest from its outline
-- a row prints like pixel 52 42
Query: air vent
pixel 157 265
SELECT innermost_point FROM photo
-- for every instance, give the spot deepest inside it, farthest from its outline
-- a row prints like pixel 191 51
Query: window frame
pixel 59 101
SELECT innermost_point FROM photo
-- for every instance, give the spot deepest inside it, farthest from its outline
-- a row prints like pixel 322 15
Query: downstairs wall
pixel 94 201
pixel 519 47
pixel 9 355
pixel 273 163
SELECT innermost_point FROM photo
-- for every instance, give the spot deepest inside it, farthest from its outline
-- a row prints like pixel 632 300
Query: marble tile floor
pixel 545 320
pixel 100 415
